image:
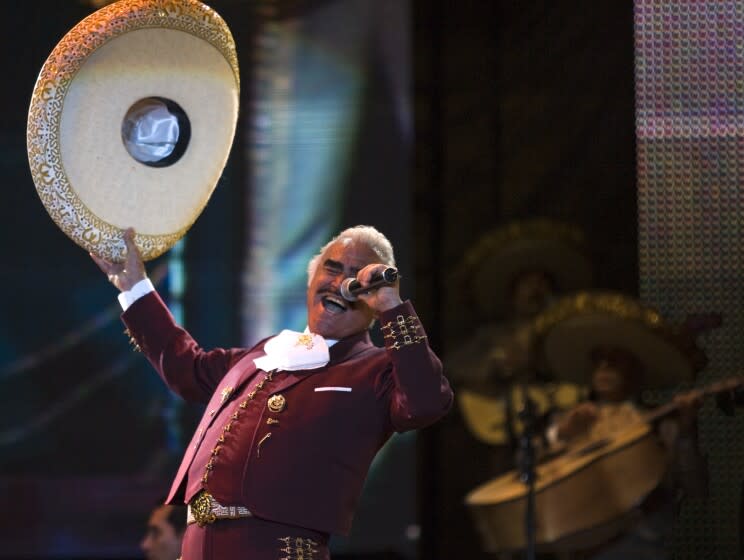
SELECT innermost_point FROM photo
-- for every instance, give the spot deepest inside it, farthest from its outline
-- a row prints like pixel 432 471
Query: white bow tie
pixel 292 350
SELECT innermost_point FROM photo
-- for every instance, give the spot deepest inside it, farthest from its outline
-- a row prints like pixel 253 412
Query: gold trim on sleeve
pixel 403 332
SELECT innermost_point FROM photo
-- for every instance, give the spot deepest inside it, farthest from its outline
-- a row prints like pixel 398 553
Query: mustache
pixel 329 287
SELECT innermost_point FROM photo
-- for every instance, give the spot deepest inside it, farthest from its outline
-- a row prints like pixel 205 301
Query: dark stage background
pixel 520 109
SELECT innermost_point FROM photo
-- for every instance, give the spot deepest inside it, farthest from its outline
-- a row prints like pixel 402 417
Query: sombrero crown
pixel 489 269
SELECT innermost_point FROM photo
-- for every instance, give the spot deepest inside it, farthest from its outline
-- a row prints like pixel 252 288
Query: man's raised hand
pixel 127 274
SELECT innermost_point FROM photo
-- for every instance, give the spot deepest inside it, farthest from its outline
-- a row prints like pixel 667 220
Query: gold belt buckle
pixel 201 509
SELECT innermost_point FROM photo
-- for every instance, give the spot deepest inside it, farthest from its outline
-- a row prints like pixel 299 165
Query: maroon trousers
pixel 251 538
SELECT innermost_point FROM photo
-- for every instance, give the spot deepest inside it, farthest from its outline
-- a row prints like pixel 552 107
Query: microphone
pixel 351 287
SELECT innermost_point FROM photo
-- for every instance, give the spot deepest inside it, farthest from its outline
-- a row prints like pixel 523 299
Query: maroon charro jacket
pixel 310 471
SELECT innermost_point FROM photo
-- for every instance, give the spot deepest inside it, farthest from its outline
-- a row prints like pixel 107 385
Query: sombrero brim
pixel 128 51
pixel 575 326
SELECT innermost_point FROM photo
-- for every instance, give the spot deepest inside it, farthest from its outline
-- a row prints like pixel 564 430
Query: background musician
pixel 618 373
pixel 511 275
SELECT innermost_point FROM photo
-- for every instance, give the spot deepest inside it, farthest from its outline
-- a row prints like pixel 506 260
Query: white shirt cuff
pixel 141 288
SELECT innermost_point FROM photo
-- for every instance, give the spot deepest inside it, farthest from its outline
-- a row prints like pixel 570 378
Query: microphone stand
pixel 521 371
pixel 527 463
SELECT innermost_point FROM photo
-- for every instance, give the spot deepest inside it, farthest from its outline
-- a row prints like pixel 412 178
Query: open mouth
pixel 334 304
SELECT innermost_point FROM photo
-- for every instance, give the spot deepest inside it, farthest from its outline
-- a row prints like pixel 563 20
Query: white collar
pixel 291 351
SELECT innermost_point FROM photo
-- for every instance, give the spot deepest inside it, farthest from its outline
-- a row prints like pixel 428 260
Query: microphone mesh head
pixel 345 289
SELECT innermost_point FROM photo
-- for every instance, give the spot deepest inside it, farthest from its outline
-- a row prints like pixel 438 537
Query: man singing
pixel 291 425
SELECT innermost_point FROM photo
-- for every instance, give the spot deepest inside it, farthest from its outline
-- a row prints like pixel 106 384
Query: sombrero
pixel 490 268
pixel 131 123
pixel 568 331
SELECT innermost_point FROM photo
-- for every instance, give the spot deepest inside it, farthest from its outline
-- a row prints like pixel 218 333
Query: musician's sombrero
pixel 131 123
pixel 490 268
pixel 570 330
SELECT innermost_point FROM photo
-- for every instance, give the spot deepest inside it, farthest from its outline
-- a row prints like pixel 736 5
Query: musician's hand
pixel 127 274
pixel 577 421
pixel 688 405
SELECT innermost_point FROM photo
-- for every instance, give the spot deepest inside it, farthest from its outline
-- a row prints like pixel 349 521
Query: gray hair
pixel 367 235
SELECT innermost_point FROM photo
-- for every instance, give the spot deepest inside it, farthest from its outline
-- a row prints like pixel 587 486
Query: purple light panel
pixel 690 156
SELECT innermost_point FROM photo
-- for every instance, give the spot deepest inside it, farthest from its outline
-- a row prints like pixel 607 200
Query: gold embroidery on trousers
pixel 298 548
